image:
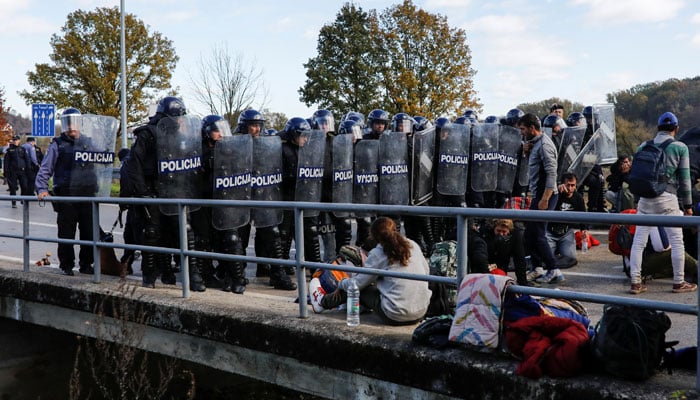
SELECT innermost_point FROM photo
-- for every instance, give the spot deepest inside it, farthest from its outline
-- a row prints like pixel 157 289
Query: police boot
pixel 196 281
pixel 164 265
pixel 148 270
pixel 238 280
pixel 279 280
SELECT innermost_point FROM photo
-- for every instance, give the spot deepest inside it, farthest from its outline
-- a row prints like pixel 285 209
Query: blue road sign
pixel 43 116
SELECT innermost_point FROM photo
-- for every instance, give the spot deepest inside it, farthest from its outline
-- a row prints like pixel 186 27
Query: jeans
pixel 564 245
pixel 535 235
pixel 664 204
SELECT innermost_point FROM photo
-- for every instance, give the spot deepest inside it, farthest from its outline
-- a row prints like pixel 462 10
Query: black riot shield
pixel 604 122
pixel 342 156
pixel 572 140
pixel 509 149
pixel 93 156
pixel 393 169
pixel 231 175
pixel 422 166
pixel 179 153
pixel 453 160
pixel 366 175
pixel 587 158
pixel 310 168
pixel 266 179
pixel 484 171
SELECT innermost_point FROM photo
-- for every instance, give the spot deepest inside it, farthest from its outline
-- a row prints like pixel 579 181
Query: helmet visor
pixel 71 122
pixel 222 127
pixel 325 123
pixel 403 125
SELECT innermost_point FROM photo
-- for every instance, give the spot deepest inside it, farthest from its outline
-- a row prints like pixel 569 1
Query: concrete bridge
pixel 260 335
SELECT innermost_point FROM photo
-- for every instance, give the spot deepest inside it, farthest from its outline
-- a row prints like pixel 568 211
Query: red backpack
pixel 620 237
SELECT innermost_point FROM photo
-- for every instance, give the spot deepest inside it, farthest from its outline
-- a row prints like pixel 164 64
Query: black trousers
pixel 72 216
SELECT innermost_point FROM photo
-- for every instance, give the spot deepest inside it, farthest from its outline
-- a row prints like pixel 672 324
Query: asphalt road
pixel 598 271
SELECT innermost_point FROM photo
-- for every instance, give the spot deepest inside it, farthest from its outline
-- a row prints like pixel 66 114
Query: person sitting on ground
pixel 656 259
pixel 398 301
pixel 618 193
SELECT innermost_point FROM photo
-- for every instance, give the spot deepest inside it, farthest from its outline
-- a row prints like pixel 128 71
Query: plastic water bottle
pixel 584 244
pixel 353 308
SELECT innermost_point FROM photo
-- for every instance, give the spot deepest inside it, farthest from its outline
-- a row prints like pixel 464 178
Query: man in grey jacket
pixel 542 169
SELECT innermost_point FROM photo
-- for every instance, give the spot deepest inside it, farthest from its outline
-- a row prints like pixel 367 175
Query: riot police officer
pixel 18 169
pixel 161 229
pixel 267 233
pixel 378 121
pixel 59 163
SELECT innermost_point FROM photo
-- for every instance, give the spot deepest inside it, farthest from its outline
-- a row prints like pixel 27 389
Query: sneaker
pixel 684 287
pixel 535 274
pixel 316 294
pixel 333 300
pixel 638 288
pixel 552 276
pixel 529 284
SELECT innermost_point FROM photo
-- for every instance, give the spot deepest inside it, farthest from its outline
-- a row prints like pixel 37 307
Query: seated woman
pixel 618 193
pixel 397 301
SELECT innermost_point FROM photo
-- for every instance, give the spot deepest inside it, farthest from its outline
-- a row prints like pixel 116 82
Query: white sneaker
pixel 535 274
pixel 553 276
pixel 316 293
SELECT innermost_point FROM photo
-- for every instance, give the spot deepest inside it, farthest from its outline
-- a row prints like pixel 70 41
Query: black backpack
pixel 647 176
pixel 630 342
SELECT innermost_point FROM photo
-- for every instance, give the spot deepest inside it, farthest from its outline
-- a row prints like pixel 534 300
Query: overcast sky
pixel 522 50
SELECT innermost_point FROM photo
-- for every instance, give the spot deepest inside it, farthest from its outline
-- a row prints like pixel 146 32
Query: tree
pixel 227 85
pixel 274 120
pixel 85 69
pixel 541 108
pixel 346 75
pixel 428 64
pixel 6 128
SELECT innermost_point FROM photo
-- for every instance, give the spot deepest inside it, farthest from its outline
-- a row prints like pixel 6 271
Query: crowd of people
pixel 176 155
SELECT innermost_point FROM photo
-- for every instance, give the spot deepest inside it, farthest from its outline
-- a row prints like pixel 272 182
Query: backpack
pixel 443 262
pixel 620 237
pixel 630 342
pixel 647 176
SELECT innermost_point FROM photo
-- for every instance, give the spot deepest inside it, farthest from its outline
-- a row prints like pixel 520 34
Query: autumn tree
pixel 85 65
pixel 226 84
pixel 541 108
pixel 5 128
pixel 345 75
pixel 428 63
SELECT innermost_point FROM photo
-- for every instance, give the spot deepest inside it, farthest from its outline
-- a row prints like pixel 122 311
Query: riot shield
pixel 393 169
pixel 453 160
pixel 422 163
pixel 342 172
pixel 587 158
pixel 231 175
pixel 366 175
pixel 509 149
pixel 572 139
pixel 310 168
pixel 179 153
pixel 604 122
pixel 484 170
pixel 93 156
pixel 266 179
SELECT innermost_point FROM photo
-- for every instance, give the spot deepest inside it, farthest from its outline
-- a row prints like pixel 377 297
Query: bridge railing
pixel 460 214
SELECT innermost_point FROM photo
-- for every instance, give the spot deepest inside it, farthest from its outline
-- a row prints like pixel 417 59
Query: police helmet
pixel 442 122
pixel 587 111
pixel 461 121
pixel 513 116
pixel 296 126
pixel 70 119
pixel 248 118
pixel 270 132
pixel 350 127
pixel 422 123
pixel 213 123
pixel 323 120
pixel 357 117
pixel 491 119
pixel 402 122
pixel 471 114
pixel 551 121
pixel 171 106
pixel 378 115
pixel 576 119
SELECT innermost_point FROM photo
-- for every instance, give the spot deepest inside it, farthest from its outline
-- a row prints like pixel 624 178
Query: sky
pixel 522 50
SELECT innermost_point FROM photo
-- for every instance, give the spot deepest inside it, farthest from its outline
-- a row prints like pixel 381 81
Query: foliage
pixel 541 108
pixel 86 65
pixel 227 85
pixel 6 130
pixel 345 76
pixel 428 64
pixel 274 120
pixel 406 60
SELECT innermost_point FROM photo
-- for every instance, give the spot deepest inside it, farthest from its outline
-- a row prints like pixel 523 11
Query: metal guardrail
pixel 461 214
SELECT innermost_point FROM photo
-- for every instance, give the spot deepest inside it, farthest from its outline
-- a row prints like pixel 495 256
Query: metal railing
pixel 460 214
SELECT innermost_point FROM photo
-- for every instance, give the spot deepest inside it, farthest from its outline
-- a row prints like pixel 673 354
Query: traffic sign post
pixel 43 117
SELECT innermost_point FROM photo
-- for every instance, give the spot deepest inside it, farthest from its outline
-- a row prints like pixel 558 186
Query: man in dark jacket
pixel 18 169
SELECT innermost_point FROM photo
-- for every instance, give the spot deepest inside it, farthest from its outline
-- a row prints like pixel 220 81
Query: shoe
pixel 552 276
pixel 316 294
pixel 536 273
pixel 86 269
pixel 282 282
pixel 67 271
pixel 14 206
pixel 529 284
pixel 684 287
pixel 638 288
pixel 168 278
pixel 238 285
